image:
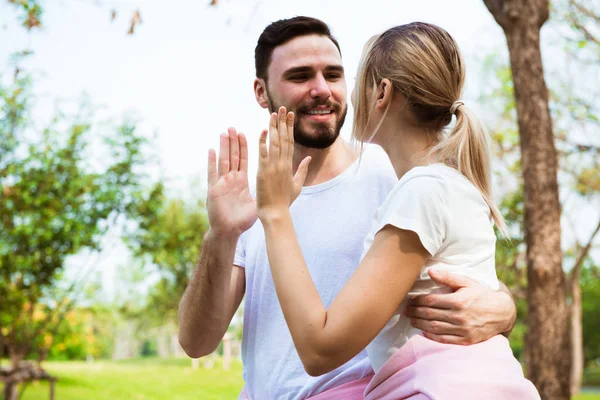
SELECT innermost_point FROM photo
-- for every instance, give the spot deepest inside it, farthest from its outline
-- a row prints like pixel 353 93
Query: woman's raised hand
pixel 276 185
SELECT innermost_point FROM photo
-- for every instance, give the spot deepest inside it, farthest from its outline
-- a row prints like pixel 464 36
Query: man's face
pixel 306 76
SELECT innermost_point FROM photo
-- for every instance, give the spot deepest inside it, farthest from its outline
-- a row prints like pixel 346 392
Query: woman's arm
pixel 326 339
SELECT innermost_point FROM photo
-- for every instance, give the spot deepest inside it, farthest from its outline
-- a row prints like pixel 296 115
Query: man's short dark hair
pixel 283 31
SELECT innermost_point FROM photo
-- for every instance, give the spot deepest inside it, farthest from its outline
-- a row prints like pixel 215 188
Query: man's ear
pixel 384 93
pixel 260 92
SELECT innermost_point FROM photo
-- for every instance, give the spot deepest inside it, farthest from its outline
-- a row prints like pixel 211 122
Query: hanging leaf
pixel 32 19
pixel 136 19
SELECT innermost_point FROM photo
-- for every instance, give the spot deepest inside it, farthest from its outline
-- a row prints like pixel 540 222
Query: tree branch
pixel 578 8
pixel 496 8
pixel 583 254
pixel 586 33
pixel 584 10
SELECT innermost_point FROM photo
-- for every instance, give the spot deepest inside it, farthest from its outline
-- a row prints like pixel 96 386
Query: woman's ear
pixel 384 94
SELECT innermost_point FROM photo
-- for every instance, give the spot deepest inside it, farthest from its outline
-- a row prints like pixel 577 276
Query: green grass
pixel 148 379
pixel 143 379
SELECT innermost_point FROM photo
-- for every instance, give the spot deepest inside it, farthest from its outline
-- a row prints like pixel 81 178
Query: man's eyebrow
pixel 337 68
pixel 306 69
pixel 296 70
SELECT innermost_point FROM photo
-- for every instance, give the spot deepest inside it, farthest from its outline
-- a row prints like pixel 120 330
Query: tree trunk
pixel 547 344
pixel 10 391
pixel 576 336
pixel 16 354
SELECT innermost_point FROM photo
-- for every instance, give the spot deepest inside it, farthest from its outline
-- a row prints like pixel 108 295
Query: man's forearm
pixel 510 323
pixel 204 306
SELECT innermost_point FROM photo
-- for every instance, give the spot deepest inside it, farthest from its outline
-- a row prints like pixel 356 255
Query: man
pixel 298 65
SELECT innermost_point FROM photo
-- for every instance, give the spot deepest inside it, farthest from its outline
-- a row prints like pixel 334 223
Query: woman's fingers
pixel 290 127
pixel 285 127
pixel 273 139
pixel 283 137
pixel 263 153
pixel 301 173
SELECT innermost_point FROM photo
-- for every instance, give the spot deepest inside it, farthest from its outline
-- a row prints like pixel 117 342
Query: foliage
pixel 590 294
pixel 31 12
pixel 61 188
pixel 583 18
pixel 83 333
pixel 167 238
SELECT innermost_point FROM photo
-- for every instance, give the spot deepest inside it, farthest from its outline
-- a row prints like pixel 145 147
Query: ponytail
pixel 466 149
pixel 425 66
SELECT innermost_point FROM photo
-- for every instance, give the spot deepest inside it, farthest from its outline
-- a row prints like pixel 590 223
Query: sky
pixel 187 72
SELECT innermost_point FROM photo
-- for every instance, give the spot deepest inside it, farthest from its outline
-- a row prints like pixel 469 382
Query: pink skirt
pixel 424 369
pixel 347 391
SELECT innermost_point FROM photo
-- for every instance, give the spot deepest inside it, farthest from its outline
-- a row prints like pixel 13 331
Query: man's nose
pixel 320 88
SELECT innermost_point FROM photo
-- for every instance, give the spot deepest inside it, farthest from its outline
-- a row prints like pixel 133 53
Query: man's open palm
pixel 231 208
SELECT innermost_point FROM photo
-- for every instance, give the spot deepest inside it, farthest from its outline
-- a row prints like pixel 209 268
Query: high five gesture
pixel 276 185
pixel 231 208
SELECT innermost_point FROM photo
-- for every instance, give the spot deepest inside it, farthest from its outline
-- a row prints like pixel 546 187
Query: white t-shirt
pixel 454 224
pixel 331 220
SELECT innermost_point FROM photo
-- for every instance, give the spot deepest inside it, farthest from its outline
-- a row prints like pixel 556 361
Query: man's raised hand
pixel 231 208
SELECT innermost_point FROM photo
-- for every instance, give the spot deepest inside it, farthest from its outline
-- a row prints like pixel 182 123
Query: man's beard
pixel 323 135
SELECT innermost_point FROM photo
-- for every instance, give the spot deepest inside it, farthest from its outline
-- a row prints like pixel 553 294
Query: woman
pixel 439 215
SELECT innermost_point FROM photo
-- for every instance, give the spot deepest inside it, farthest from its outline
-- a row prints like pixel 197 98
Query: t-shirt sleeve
pixel 420 205
pixel 239 258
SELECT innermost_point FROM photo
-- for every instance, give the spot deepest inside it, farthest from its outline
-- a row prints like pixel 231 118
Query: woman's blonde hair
pixel 424 64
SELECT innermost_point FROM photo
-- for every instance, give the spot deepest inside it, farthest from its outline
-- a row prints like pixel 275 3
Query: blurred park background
pixel 107 111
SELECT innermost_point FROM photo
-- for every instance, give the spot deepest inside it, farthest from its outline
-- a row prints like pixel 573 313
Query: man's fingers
pixel 234 150
pixel 437 327
pixel 263 153
pixel 243 152
pixel 273 139
pixel 430 314
pixel 443 301
pixel 453 281
pixel 223 154
pixel 448 339
pixel 212 167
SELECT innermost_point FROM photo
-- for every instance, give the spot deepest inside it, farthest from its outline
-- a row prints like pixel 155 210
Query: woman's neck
pixel 407 147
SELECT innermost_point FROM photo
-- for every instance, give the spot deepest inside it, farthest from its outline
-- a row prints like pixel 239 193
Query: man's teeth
pixel 318 112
